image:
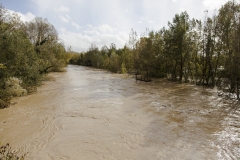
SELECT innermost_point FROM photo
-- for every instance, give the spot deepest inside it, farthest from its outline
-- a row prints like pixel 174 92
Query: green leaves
pixel 6 153
pixel 2 66
pixel 27 51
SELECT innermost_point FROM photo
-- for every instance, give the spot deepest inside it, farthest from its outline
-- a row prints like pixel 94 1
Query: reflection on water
pixel 93 114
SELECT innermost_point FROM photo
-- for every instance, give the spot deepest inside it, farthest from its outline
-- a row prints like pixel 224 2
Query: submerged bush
pixel 3 104
pixel 6 153
pixel 13 87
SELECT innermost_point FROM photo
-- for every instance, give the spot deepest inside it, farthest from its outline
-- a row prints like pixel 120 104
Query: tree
pixel 39 30
pixel 27 51
pixel 228 33
pixel 146 59
pixel 175 44
pixel 133 39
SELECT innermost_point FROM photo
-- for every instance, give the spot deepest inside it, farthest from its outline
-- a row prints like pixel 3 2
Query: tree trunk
pixel 237 89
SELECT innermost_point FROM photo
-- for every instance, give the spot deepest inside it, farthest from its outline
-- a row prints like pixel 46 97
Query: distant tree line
pixel 27 51
pixel 204 52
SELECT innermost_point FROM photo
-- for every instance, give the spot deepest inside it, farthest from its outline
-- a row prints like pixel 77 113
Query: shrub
pixel 7 154
pixel 13 87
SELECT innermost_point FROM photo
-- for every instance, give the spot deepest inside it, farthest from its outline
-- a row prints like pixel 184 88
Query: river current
pixel 88 113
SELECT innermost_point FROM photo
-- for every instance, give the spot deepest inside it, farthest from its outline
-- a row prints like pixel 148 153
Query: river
pixel 87 113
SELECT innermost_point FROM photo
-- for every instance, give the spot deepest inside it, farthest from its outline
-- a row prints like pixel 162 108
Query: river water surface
pixel 87 113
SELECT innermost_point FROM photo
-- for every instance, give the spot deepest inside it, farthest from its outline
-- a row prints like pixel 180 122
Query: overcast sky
pixel 102 22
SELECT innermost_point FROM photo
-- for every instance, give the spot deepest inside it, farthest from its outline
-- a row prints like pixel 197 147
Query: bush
pixel 13 87
pixel 7 154
pixel 3 104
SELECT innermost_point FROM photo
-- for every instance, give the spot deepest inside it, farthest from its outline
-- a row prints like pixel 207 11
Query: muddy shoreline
pixel 88 113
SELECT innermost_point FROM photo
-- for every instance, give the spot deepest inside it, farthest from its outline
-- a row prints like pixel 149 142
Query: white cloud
pixel 24 17
pixel 68 17
pixel 62 9
pixel 63 30
pixel 63 19
pixel 144 20
pixel 105 28
pixel 80 41
pixel 91 32
pixel 27 17
pixel 213 4
pixel 75 25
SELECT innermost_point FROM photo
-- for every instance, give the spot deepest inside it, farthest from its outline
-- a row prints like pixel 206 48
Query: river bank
pixel 88 113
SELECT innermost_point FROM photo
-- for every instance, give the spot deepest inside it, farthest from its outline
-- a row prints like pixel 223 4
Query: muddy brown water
pixel 94 114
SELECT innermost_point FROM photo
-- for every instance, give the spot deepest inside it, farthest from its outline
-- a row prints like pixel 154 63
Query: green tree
pixel 179 28
pixel 228 33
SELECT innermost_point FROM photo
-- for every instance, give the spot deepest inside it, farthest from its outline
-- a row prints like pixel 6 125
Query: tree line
pixel 27 51
pixel 204 52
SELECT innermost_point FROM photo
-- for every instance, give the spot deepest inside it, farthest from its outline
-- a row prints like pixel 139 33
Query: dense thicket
pixel 204 52
pixel 27 51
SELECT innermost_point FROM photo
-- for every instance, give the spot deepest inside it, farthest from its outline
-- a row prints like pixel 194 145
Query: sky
pixel 81 23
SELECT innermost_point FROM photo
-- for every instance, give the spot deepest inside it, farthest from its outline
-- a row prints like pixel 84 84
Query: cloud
pixel 91 32
pixel 80 41
pixel 24 17
pixel 68 17
pixel 75 25
pixel 213 4
pixel 27 17
pixel 63 19
pixel 144 20
pixel 109 18
pixel 105 28
pixel 62 9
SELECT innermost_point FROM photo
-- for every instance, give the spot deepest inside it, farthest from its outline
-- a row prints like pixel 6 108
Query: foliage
pixel 123 69
pixel 6 153
pixel 13 87
pixel 27 51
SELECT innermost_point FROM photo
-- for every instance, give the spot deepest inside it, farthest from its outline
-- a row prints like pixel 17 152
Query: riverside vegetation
pixel 6 153
pixel 27 51
pixel 204 52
